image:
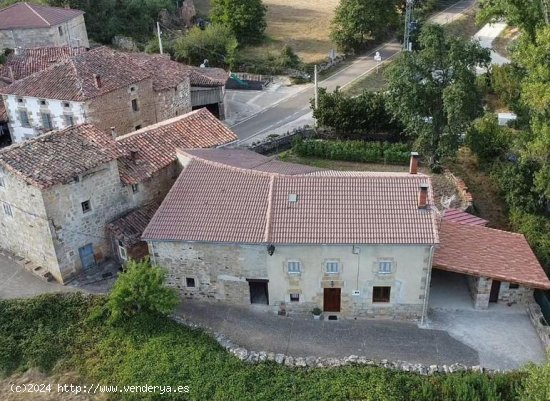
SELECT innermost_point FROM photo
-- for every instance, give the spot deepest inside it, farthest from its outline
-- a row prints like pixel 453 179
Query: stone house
pixel 242 228
pixel 59 191
pixel 28 25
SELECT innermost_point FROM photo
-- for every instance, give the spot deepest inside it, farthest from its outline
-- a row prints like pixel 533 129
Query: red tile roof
pixel 26 16
pixel 128 229
pixel 156 144
pixel 73 78
pixel 215 202
pixel 3 113
pixel 485 252
pixel 58 156
pixel 31 61
pixel 168 73
pixel 458 216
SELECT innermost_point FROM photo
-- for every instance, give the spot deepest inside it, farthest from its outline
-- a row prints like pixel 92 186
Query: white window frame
pixel 294 263
pixel 47 121
pixel 385 266
pixel 122 251
pixel 7 209
pixel 332 262
pixel 296 295
pixel 24 118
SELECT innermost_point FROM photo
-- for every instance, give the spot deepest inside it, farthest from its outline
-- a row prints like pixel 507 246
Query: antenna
pixel 408 20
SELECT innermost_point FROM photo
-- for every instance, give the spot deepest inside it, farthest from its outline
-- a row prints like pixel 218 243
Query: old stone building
pixel 59 191
pixel 27 25
pixel 242 228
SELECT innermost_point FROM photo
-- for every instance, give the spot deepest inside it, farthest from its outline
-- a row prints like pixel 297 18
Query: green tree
pixel 487 139
pixel 140 288
pixel 433 91
pixel 215 43
pixel 536 385
pixel 357 21
pixel 245 18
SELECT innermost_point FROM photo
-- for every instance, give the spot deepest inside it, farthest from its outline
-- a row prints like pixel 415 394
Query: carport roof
pixel 485 252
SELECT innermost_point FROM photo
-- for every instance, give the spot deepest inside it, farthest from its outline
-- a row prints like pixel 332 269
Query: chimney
pixel 423 196
pixel 133 154
pixel 413 167
pixel 97 80
pixel 12 76
pixel 113 132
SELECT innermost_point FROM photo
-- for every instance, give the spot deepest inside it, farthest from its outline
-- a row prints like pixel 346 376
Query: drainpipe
pixel 427 289
pixel 153 253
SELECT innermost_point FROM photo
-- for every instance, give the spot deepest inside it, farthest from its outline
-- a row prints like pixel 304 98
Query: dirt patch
pixel 37 378
pixel 465 26
pixel 487 202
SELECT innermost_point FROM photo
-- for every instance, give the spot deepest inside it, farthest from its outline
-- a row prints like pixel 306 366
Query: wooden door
pixel 495 289
pixel 87 256
pixel 331 299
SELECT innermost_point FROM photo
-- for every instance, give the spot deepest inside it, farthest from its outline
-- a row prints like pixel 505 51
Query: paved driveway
pixel 259 330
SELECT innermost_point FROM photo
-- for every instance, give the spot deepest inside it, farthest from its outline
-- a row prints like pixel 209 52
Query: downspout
pixel 427 289
pixel 153 253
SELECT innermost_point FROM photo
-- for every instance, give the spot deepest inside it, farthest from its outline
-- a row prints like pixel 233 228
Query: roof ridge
pixel 199 159
pixel 36 12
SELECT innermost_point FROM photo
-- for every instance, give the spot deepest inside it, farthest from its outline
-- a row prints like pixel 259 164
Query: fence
pixel 243 80
pixel 278 143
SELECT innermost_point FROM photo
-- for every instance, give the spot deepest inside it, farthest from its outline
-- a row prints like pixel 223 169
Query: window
pixel 66 104
pixel 135 106
pixel 135 188
pixel 86 206
pixel 122 251
pixel 381 294
pixel 60 29
pixel 19 100
pixel 331 267
pixel 513 286
pixel 189 281
pixel 69 120
pixel 293 267
pixel 384 266
pixel 46 120
pixel 24 117
pixel 42 102
pixel 294 297
pixel 7 210
pixel 132 88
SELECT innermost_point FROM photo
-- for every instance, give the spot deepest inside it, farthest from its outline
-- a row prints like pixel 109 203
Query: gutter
pixel 427 288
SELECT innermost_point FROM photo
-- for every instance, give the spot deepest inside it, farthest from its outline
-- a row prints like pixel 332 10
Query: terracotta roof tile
pixel 458 216
pixel 215 202
pixel 128 229
pixel 25 16
pixel 31 61
pixel 156 144
pixel 73 78
pixel 58 156
pixel 486 252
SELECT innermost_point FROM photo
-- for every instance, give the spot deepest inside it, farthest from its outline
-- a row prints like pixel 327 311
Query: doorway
pixel 331 299
pixel 495 290
pixel 87 257
pixel 258 292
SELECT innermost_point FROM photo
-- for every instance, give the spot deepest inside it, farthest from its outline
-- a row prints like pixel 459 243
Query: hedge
pixel 354 151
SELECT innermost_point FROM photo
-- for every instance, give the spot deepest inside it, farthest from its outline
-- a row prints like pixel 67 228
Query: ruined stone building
pixel 59 191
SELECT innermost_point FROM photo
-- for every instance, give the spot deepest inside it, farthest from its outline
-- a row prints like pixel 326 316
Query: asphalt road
pixel 296 106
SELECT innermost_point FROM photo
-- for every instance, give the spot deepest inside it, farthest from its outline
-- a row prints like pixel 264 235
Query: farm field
pixel 302 24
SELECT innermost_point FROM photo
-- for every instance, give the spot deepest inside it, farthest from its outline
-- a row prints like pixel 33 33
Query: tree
pixel 357 21
pixel 245 18
pixel 536 385
pixel 140 288
pixel 433 91
pixel 215 43
pixel 365 113
pixel 487 139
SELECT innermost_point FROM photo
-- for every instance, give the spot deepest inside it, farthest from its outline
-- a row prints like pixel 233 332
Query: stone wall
pixel 220 272
pixel 541 325
pixel 174 102
pixel 114 109
pixel 73 33
pixel 27 232
pixel 521 295
pixel 480 290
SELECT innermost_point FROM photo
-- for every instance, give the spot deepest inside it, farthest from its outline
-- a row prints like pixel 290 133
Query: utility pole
pixel 160 39
pixel 316 88
pixel 408 19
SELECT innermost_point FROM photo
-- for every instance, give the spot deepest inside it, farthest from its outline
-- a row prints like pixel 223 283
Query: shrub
pixel 140 288
pixel 506 83
pixel 487 139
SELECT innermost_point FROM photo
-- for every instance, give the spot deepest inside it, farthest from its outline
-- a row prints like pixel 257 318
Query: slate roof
pixel 485 252
pixel 73 78
pixel 128 229
pixel 168 74
pixel 156 144
pixel 58 156
pixel 31 61
pixel 214 202
pixel 27 16
pixel 458 216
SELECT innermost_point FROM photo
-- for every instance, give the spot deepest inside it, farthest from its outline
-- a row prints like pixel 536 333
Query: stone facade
pixel 70 33
pixel 174 102
pixel 224 271
pixel 480 290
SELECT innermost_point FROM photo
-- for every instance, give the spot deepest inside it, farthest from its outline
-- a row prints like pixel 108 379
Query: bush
pixel 487 139
pixel 506 83
pixel 354 151
pixel 140 288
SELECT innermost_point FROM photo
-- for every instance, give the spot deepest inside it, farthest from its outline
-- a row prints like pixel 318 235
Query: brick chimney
pixel 97 80
pixel 423 196
pixel 413 166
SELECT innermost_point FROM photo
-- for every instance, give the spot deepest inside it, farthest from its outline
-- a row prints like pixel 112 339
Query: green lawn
pixel 69 333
